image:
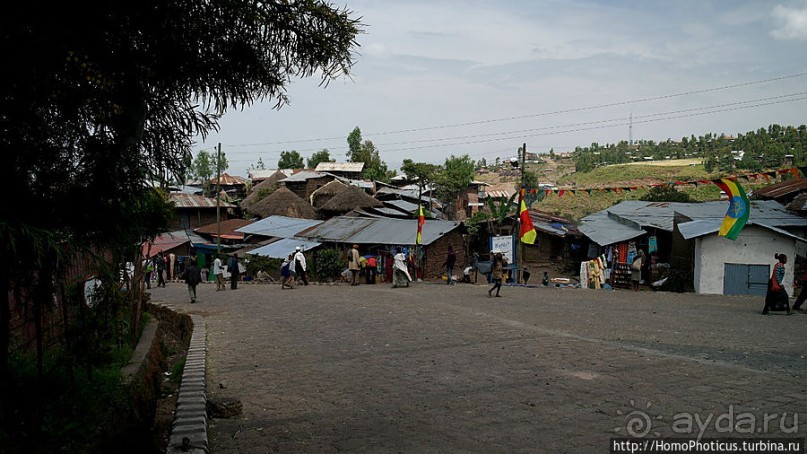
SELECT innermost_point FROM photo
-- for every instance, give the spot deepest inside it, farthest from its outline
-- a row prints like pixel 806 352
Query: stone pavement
pixel 436 368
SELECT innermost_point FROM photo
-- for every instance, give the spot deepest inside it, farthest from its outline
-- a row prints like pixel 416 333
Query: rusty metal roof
pixel 230 180
pixel 785 188
pixel 183 200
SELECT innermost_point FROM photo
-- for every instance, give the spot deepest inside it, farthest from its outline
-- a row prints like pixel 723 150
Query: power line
pixel 542 114
pixel 577 127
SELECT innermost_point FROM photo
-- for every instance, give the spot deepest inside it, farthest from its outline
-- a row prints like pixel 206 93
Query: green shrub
pixel 329 264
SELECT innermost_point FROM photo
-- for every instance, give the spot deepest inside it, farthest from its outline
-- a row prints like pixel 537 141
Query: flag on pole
pixel 737 214
pixel 421 221
pixel 527 232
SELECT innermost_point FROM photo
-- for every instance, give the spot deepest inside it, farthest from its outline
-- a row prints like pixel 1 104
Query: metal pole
pixel 218 200
pixel 521 248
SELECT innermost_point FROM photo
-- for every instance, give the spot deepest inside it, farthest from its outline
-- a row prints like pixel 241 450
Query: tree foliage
pixel 320 156
pixel 665 193
pixel 290 160
pixel 366 152
pixel 205 168
pixel 454 177
pixel 754 150
pixel 106 97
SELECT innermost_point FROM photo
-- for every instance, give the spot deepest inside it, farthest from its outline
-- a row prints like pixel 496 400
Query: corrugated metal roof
pixel 603 230
pixel 281 248
pixel 229 180
pixel 625 220
pixel 784 188
pixel 278 226
pixel 695 229
pixel 340 167
pixel 228 227
pixel 351 230
pixel 304 176
pixel 182 200
pixel 165 241
pixel 262 174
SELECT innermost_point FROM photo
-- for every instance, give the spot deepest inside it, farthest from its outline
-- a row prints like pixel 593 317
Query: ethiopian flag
pixel 421 221
pixel 737 215
pixel 527 233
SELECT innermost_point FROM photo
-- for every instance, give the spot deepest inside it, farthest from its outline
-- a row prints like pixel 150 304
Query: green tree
pixel 455 176
pixel 366 152
pixel 319 156
pixel 665 193
pixel 258 165
pixel 290 160
pixel 205 168
pixel 421 172
pixel 102 98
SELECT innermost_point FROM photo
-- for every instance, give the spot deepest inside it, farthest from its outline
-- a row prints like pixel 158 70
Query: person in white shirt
pixel 299 265
pixel 218 271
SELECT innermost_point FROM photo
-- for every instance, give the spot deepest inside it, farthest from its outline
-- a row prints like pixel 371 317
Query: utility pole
pixel 218 200
pixel 521 249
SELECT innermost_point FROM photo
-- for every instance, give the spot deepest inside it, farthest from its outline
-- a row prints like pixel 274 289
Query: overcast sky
pixel 435 78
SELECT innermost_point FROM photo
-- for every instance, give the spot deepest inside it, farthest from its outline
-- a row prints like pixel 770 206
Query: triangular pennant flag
pixel 561 192
pixel 803 170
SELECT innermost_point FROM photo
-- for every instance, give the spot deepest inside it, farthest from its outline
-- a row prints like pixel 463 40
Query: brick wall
pixel 436 255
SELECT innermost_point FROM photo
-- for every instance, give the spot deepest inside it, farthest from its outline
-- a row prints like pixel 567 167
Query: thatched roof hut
pixel 283 202
pixel 324 194
pixel 349 199
pixel 263 189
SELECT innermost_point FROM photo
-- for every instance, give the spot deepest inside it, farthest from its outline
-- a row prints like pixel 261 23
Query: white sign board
pixel 503 244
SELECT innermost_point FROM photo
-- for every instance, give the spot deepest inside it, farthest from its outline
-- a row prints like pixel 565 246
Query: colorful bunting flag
pixel 739 208
pixel 527 232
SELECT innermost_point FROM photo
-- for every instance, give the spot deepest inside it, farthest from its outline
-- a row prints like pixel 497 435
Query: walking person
pixel 802 294
pixel 235 272
pixel 300 268
pixel 400 272
pixel 354 264
pixel 192 277
pixel 776 298
pixel 160 262
pixel 218 271
pixel 636 270
pixel 287 274
pixel 148 264
pixel 451 259
pixel 497 273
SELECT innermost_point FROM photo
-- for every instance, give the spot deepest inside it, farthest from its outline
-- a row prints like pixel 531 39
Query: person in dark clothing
pixel 232 267
pixel 802 294
pixel 497 273
pixel 160 262
pixel 776 299
pixel 451 259
pixel 192 277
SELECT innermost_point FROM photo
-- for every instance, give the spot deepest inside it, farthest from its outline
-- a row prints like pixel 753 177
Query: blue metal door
pixel 742 279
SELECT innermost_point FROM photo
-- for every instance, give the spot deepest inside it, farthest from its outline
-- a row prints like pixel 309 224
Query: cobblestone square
pixel 436 368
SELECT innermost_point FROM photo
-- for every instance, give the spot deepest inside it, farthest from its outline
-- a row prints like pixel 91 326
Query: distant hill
pixel 560 172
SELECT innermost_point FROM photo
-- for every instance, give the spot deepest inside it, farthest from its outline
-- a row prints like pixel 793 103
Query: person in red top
pixel 372 267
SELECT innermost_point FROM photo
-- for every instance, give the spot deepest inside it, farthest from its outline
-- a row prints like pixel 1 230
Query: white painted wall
pixel 754 246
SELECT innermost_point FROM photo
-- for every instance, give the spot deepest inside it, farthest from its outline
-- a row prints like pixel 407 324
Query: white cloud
pixel 792 23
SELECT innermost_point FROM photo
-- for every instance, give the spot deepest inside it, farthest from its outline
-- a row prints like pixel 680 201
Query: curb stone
pixel 189 431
